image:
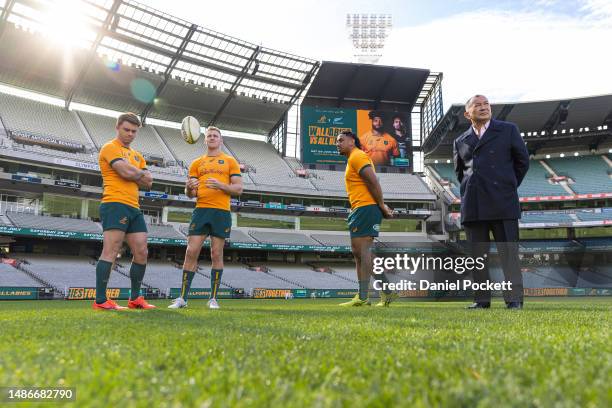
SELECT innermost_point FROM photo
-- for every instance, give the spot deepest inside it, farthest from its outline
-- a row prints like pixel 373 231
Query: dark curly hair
pixel 354 136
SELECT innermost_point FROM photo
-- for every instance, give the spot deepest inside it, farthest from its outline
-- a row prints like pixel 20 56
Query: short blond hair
pixel 216 129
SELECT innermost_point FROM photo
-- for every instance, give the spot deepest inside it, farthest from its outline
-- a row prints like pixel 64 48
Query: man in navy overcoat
pixel 491 160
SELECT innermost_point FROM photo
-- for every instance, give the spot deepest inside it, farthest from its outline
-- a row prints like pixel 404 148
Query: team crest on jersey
pixel 192 226
pixel 354 229
pixel 221 161
pixel 227 230
pixel 123 221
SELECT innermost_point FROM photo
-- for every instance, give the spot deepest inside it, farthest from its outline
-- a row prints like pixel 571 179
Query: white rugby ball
pixel 190 129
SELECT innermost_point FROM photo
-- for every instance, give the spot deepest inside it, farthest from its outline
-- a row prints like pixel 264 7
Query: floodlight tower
pixel 368 33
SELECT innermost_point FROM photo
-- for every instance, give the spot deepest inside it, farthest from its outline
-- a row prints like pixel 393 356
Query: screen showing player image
pixel 384 137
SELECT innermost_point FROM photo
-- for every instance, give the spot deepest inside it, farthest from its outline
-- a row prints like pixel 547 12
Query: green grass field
pixel 312 353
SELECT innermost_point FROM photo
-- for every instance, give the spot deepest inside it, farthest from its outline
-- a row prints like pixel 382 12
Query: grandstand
pixel 591 174
pixel 25 220
pixel 68 271
pixel 52 150
pixel 148 142
pixel 536 182
pixel 276 237
pixel 23 115
pixel 269 168
pixel 11 276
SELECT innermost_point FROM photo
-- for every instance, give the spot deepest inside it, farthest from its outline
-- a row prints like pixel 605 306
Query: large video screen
pixel 385 136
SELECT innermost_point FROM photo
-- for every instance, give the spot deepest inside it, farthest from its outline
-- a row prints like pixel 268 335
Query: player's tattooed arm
pixel 146 180
pixel 369 177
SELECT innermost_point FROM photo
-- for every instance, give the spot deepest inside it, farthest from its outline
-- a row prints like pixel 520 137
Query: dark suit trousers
pixel 506 235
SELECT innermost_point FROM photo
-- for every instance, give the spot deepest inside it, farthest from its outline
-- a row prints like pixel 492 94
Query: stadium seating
pixel 527 217
pixel 543 245
pixel 596 278
pixel 557 276
pixel 590 173
pixel 69 271
pixel 294 163
pixel 238 235
pixel 4 220
pixel 328 180
pixel 308 278
pixel 541 277
pixel 10 276
pixel 397 183
pixel 163 275
pixel 594 216
pixel 181 150
pixel 239 276
pixel 270 168
pixel 102 129
pixel 447 172
pixel 41 118
pixel 163 231
pixel 332 240
pixel 25 220
pixel 36 150
pixel 346 272
pixel 601 243
pixel 536 182
pixel 275 237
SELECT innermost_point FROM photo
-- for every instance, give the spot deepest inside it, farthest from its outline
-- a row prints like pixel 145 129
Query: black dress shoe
pixel 480 305
pixel 514 305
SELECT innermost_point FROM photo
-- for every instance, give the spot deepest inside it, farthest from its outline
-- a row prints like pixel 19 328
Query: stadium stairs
pixel 57 292
pixel 120 269
pixel 550 280
pixel 269 272
pixel 331 272
pixel 282 278
pixel 337 275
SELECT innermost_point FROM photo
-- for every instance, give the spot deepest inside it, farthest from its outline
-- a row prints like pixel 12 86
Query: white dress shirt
pixel 483 129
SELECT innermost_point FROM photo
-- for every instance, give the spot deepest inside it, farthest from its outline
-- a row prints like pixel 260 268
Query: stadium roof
pixel 124 55
pixel 550 124
pixel 364 86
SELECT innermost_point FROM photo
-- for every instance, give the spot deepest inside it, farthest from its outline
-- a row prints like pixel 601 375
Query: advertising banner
pixel 203 293
pixel 18 293
pixel 385 136
pixel 90 293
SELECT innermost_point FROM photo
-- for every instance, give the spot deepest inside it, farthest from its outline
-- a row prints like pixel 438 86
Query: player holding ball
pixel 213 178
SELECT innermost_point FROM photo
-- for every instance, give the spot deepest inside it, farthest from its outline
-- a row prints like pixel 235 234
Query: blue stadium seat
pixel 590 173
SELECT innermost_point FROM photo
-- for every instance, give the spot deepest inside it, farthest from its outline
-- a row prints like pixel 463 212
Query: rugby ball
pixel 190 129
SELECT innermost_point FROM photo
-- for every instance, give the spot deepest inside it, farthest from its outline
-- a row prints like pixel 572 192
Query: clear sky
pixel 509 50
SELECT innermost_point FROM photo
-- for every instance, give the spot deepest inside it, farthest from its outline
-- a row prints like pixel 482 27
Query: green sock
pixel 186 284
pixel 103 271
pixel 137 272
pixel 363 289
pixel 215 281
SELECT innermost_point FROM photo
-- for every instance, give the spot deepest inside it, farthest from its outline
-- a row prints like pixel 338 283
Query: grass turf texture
pixel 313 353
